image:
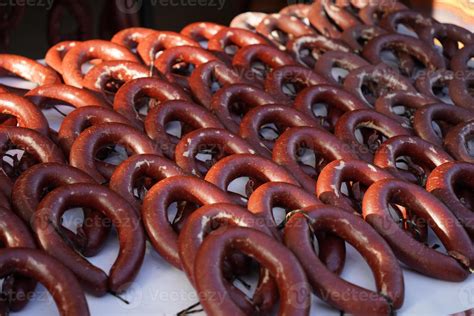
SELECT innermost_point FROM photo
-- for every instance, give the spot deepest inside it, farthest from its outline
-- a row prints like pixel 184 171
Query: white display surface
pixel 160 289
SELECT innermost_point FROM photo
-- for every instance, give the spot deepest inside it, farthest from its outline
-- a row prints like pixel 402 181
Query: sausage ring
pixel 447 114
pixel 205 77
pixel 282 264
pixel 308 49
pixel 89 142
pixel 201 31
pixel 434 81
pixel 159 41
pixel 329 286
pixel 356 174
pixel 131 37
pixel 335 100
pixel 332 60
pixel 284 83
pixel 374 129
pixel 107 77
pixel 138 172
pixel 258 169
pixel 401 105
pixel 450 36
pixel 282 117
pixel 419 156
pixel 230 103
pixel 200 225
pixel 37 148
pixel 155 210
pixel 30 188
pixel 47 219
pixel 82 118
pixel 90 50
pixel 453 266
pixel 127 97
pixel 287 27
pixel 229 40
pixel 291 144
pixel 219 142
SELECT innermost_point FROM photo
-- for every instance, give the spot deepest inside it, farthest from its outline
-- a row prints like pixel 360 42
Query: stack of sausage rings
pixel 191 141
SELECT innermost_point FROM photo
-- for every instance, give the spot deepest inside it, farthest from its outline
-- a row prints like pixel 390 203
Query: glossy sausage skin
pixel 283 266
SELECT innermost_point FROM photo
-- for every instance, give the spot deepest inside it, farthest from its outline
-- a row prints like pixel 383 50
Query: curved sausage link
pixel 127 97
pixel 37 148
pixel 107 77
pixel 282 264
pixel 281 116
pixel 155 206
pixel 219 142
pixel 457 141
pixel 28 69
pixel 61 94
pixel 190 115
pixel 258 169
pixel 26 114
pixel 448 114
pixel 30 189
pixel 356 174
pixel 255 62
pixel 247 20
pixel 200 225
pixel 358 36
pixel 326 147
pixel 90 50
pixel 336 100
pixel 453 266
pixel 413 19
pixel 230 103
pixel 47 219
pixel 131 37
pixel 55 54
pixel 230 40
pixel 318 16
pixel 317 45
pixel 278 194
pixel 82 118
pixel 450 36
pixel 203 79
pixel 376 128
pixel 55 277
pixel 341 294
pixel 330 61
pixel 187 55
pixel 295 78
pixel 159 41
pixel 201 31
pixel 141 171
pixel 427 83
pixel 14 234
pixel 90 141
pixel 446 182
pixel 286 26
pixel 387 104
pixel 420 157
pixel 381 79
